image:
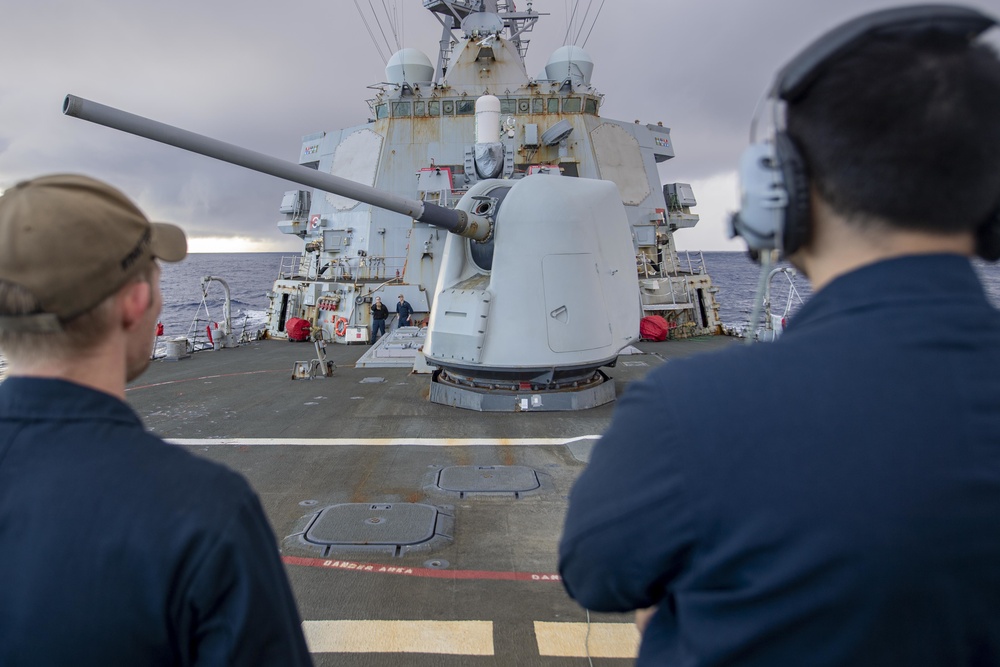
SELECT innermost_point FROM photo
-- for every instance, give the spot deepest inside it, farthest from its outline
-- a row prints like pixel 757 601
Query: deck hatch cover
pixel 512 480
pixel 369 524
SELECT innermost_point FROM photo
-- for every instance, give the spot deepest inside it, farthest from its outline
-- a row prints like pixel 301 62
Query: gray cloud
pixel 263 74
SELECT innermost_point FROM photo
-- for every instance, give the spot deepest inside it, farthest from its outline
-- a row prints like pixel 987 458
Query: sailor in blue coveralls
pixel 379 313
pixel 403 310
pixel 833 498
pixel 116 548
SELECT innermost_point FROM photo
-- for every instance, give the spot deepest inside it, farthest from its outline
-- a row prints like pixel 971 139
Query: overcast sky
pixel 263 74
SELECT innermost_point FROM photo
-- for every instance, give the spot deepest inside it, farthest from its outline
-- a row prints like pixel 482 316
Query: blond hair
pixel 79 334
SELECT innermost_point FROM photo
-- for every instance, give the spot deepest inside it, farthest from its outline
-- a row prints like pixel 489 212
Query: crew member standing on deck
pixel 116 548
pixel 403 310
pixel 379 315
pixel 839 503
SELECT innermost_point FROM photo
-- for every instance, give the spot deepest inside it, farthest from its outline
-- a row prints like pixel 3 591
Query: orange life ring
pixel 341 326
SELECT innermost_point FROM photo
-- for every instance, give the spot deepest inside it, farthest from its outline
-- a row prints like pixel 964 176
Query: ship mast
pixel 451 13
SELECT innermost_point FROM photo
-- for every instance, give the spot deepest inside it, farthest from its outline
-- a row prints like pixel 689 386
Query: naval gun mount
pixel 537 287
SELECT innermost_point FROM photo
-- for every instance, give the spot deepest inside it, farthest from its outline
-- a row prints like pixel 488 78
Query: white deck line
pixel 570 640
pixel 442 637
pixel 576 640
pixel 380 442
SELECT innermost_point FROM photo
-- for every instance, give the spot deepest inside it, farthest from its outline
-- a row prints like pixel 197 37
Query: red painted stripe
pixel 379 568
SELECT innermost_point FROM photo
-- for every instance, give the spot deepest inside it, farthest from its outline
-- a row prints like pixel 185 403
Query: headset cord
pixel 586 640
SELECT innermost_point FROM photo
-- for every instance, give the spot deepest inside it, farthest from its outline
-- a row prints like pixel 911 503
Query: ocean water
pixel 251 275
pixel 187 311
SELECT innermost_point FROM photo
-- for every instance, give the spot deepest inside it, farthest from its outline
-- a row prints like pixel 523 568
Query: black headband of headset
pixel 797 76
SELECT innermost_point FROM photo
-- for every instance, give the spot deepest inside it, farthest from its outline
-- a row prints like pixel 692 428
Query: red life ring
pixel 341 326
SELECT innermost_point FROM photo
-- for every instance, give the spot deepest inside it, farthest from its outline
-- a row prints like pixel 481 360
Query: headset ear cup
pixel 988 239
pixel 797 223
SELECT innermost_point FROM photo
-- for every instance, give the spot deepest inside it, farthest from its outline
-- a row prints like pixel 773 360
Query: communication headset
pixel 774 180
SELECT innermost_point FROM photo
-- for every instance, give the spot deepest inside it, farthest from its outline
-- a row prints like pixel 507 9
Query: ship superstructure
pixel 424 140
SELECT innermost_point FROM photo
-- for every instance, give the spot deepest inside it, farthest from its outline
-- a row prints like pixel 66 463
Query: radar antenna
pixel 451 13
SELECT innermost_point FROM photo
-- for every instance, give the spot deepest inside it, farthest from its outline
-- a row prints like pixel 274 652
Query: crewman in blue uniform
pixel 403 311
pixel 832 498
pixel 379 314
pixel 116 548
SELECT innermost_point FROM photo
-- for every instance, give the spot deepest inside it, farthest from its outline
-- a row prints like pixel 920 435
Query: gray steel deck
pixel 489 595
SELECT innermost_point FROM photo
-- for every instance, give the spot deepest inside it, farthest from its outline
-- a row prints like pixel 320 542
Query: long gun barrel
pixel 453 220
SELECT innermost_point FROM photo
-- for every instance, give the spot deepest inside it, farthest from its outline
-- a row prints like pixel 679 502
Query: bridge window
pixel 572 105
pixel 419 108
pixel 448 108
pixel 523 106
pixel 466 107
pixel 507 105
pixel 400 109
pixel 553 105
pixel 591 106
pixel 434 108
pixel 537 105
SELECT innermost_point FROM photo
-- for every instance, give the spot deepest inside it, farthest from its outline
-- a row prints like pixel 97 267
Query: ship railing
pixel 645 266
pixel 681 297
pixel 286 268
pixel 198 338
pixel 695 260
pixel 308 266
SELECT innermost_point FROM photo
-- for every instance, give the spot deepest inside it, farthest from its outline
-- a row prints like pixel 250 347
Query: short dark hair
pixel 906 129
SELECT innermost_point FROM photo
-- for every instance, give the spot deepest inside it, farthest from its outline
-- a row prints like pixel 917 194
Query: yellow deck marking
pixel 381 442
pixel 444 637
pixel 607 640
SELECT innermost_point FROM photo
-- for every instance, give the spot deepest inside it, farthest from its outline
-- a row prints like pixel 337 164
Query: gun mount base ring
pixel 597 390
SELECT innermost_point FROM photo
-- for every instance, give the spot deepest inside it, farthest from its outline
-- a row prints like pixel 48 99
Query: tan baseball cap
pixel 72 241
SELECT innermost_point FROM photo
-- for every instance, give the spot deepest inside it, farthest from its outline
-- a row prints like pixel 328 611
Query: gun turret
pixel 520 320
pixel 456 221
